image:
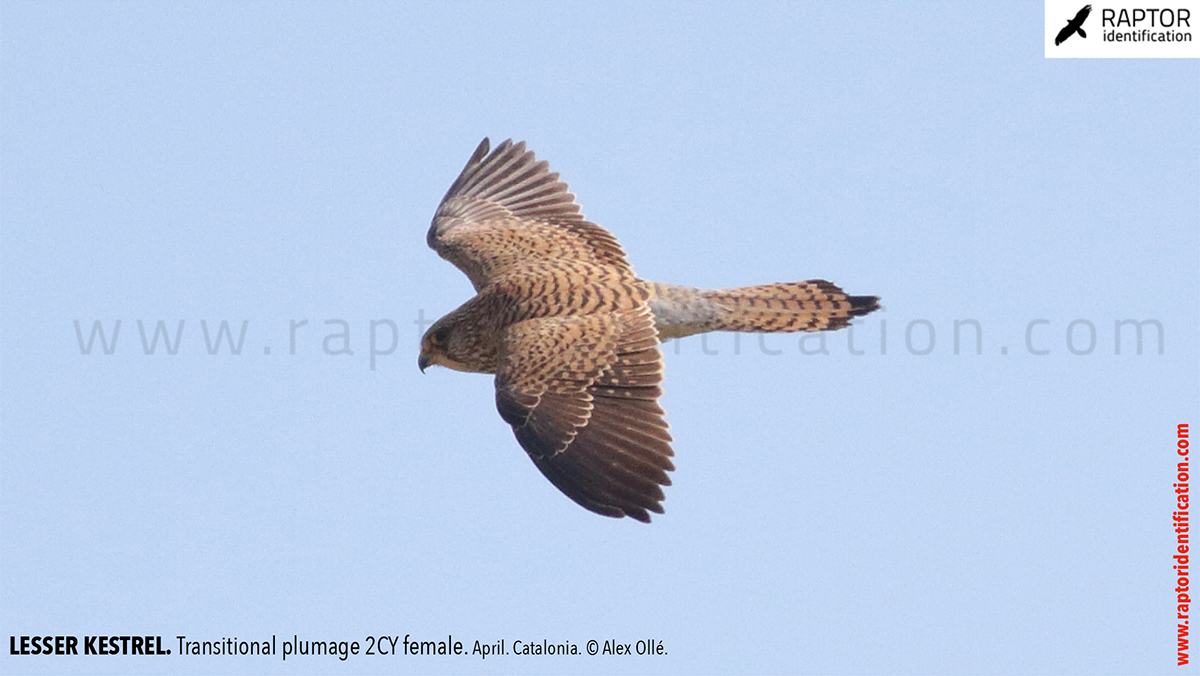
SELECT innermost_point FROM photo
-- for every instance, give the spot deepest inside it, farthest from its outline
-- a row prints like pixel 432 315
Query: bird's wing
pixel 1064 34
pixel 507 207
pixel 581 393
pixel 1082 15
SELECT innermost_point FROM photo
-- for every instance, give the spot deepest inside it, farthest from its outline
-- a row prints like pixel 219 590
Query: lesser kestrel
pixel 572 334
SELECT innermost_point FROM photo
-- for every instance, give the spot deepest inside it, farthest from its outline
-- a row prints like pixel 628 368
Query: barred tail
pixel 815 305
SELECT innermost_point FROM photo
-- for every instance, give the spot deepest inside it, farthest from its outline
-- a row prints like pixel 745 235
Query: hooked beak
pixel 423 362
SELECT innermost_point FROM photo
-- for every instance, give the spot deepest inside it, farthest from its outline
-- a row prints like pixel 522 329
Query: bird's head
pixel 446 344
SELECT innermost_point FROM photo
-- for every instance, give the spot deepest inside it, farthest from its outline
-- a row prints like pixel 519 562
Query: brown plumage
pixel 572 334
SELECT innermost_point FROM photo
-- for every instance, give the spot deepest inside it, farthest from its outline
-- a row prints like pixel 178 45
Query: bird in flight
pixel 1074 26
pixel 572 334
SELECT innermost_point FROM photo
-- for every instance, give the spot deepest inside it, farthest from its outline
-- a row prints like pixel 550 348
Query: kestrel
pixel 572 334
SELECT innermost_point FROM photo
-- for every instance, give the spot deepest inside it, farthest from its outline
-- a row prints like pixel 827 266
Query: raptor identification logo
pixel 1132 29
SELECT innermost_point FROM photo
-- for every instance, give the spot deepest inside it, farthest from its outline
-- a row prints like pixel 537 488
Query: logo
pixel 1074 26
pixel 1121 29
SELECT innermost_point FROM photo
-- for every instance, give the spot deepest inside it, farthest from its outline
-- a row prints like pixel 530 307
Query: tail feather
pixel 814 305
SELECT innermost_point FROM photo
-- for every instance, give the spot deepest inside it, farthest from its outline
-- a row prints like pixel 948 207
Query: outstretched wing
pixel 581 393
pixel 507 207
pixel 1082 15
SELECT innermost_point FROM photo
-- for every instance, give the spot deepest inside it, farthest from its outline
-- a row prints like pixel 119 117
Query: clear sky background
pixel 889 512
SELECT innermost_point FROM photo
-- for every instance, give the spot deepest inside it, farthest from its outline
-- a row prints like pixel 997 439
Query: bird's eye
pixel 439 337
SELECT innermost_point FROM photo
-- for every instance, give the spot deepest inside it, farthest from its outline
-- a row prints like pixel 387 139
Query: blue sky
pixel 908 509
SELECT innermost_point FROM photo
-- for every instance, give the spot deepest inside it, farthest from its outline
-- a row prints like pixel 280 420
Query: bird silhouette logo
pixel 1074 26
